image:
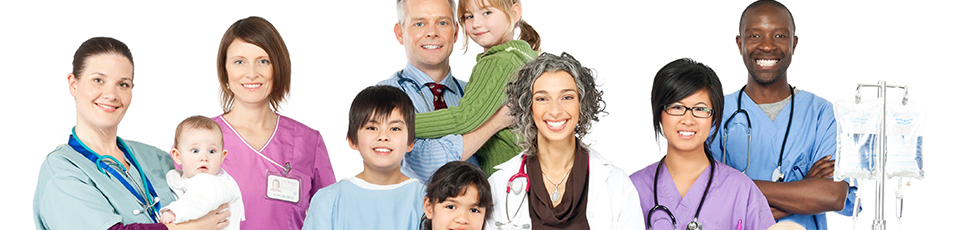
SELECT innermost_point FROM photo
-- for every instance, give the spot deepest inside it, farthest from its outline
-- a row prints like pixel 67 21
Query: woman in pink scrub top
pixel 254 72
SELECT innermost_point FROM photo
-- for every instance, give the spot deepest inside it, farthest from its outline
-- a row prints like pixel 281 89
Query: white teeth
pixel 382 150
pixel 107 107
pixel 687 133
pixel 558 124
pixel 763 62
pixel 430 47
pixel 254 85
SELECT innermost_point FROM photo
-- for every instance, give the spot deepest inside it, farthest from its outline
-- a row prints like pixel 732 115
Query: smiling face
pixel 199 151
pixel 687 133
pixel 461 212
pixel 428 33
pixel 555 107
pixel 767 43
pixel 102 93
pixel 383 143
pixel 487 25
pixel 250 72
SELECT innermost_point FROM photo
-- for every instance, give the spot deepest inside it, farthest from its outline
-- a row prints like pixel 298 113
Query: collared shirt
pixel 812 137
pixel 732 198
pixel 428 154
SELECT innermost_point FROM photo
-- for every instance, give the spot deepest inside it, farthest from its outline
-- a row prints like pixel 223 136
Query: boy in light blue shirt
pixel 381 197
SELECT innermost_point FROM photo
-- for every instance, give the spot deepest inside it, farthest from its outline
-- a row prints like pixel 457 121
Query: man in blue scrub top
pixel 791 139
pixel 428 31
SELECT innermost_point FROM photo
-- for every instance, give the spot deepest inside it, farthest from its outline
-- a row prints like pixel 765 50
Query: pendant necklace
pixel 555 194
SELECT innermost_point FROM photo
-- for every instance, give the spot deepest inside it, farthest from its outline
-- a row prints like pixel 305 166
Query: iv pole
pixel 879 223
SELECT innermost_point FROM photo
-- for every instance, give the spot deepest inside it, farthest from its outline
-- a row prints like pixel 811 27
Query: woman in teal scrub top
pixel 98 180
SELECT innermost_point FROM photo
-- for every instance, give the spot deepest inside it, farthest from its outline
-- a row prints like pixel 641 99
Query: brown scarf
pixel 571 212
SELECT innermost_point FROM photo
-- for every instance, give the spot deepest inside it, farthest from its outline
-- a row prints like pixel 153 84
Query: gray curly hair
pixel 520 95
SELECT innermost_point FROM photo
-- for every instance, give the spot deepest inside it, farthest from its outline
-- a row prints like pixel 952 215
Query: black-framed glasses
pixel 680 110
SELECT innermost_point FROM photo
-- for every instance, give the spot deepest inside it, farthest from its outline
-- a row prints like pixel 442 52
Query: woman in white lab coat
pixel 558 182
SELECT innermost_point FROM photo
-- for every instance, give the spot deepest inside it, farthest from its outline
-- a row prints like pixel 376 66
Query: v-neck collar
pixel 758 115
pixel 667 191
pixel 268 141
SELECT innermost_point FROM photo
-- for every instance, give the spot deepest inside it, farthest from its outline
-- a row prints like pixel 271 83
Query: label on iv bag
pixel 904 141
pixel 857 136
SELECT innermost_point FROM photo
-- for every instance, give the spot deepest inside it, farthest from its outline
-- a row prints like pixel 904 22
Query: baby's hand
pixel 168 217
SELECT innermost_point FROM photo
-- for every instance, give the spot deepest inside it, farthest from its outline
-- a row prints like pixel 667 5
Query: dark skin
pixel 766 44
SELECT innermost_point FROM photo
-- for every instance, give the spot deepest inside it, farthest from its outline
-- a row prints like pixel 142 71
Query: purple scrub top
pixel 733 197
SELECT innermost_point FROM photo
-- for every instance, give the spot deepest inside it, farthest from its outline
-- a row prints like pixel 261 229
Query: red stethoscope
pixel 517 188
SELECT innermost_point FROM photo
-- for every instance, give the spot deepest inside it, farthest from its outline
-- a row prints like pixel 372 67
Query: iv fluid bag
pixel 904 141
pixel 857 138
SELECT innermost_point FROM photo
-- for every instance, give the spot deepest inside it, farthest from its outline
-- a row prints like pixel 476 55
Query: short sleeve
pixel 71 201
pixel 758 214
pixel 320 214
pixel 322 169
pixel 850 202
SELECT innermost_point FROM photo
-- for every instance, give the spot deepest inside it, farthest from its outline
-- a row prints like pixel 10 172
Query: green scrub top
pixel 73 194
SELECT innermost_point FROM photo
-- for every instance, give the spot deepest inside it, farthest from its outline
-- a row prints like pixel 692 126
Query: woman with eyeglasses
pixel 687 188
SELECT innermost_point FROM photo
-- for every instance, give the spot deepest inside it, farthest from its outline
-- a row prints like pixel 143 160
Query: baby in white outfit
pixel 201 185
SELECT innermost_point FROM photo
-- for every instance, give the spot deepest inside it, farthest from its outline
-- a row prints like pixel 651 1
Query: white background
pixel 340 47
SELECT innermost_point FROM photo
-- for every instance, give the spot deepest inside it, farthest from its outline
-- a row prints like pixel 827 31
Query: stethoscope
pixel 693 225
pixel 776 175
pixel 401 79
pixel 149 202
pixel 516 187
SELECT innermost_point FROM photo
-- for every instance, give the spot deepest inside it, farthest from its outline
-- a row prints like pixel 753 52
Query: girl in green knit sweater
pixel 490 23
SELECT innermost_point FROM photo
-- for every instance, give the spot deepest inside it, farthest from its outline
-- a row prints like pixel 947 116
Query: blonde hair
pixel 526 32
pixel 196 122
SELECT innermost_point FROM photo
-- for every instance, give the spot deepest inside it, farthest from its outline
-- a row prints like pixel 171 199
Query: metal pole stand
pixel 879 223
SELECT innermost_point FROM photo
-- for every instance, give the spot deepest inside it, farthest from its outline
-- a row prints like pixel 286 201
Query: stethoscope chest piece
pixel 777 176
pixel 517 186
pixel 694 225
pixel 500 224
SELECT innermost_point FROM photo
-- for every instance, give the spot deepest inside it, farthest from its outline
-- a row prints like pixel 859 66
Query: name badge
pixel 282 187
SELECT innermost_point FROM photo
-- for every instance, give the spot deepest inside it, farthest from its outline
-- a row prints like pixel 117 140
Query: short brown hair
pixel 257 31
pixel 196 122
